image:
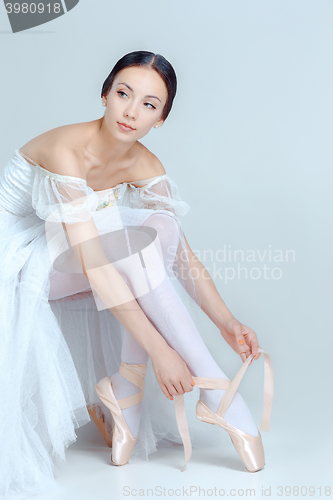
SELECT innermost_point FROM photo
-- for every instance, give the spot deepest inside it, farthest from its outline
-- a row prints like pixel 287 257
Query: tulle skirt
pixel 53 352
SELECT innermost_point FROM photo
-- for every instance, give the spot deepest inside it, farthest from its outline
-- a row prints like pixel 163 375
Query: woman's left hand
pixel 241 338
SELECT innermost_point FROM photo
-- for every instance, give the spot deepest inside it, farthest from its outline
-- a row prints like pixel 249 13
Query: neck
pixel 106 148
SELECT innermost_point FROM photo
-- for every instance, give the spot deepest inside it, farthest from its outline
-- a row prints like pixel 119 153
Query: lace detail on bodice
pixel 110 199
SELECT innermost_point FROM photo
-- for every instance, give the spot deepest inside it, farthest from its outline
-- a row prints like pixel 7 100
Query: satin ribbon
pixel 231 389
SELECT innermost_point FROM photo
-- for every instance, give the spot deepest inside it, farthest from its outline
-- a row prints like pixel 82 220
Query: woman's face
pixel 136 98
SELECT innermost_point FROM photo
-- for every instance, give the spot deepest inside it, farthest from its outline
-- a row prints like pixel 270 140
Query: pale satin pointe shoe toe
pixel 123 441
pixel 249 448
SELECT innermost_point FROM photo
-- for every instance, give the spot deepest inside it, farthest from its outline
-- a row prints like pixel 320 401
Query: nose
pixel 130 113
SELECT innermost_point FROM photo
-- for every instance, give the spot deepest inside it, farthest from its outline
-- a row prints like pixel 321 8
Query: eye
pixel 149 104
pixel 152 107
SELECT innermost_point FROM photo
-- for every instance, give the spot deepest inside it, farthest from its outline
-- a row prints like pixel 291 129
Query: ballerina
pixel 74 237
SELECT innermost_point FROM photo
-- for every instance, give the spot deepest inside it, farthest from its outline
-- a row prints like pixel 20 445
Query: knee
pixel 166 225
pixel 168 231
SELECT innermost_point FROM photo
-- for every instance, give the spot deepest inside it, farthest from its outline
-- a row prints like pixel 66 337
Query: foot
pixel 237 414
pixel 123 441
pixel 123 388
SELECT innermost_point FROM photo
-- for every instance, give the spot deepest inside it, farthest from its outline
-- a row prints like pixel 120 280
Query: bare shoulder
pixel 158 166
pixel 61 159
pixel 57 151
pixel 64 160
pixel 149 164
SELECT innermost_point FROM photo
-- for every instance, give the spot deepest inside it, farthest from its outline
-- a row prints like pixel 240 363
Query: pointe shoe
pixel 249 448
pixel 123 441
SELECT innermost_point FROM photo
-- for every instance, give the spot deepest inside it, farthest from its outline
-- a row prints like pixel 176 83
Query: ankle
pixel 122 387
pixel 211 398
pixel 237 414
pixel 128 382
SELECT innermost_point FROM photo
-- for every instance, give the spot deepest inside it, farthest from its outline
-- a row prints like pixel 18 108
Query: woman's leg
pixel 168 314
pixel 132 353
pixel 66 284
pixel 164 308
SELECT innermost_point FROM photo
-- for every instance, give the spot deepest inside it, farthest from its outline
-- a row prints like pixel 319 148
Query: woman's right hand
pixel 171 372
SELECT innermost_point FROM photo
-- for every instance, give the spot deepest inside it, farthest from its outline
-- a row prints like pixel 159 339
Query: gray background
pixel 249 143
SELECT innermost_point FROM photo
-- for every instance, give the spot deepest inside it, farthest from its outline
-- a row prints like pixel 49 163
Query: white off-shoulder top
pixel 26 186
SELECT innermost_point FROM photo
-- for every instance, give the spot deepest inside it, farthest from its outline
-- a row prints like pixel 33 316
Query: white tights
pixel 168 314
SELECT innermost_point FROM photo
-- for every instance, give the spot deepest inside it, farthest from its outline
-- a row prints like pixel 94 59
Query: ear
pixel 159 123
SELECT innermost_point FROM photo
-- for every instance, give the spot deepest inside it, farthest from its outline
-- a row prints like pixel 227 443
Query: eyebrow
pixel 154 96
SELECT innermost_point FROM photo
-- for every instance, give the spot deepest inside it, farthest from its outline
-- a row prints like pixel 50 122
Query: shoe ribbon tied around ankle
pixel 135 374
pixel 231 389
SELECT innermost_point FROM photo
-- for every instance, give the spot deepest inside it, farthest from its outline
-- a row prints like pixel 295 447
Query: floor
pixel 299 458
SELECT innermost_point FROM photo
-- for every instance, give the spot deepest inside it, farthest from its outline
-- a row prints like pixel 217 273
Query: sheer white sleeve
pixel 59 198
pixel 67 204
pixel 160 193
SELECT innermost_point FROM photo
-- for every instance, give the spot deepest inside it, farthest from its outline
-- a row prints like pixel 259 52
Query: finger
pixel 254 346
pixel 166 392
pixel 258 355
pixel 252 341
pixel 182 387
pixel 248 353
pixel 187 386
pixel 172 389
pixel 243 356
pixel 179 388
pixel 240 342
pixel 247 350
pixel 188 383
pixel 248 340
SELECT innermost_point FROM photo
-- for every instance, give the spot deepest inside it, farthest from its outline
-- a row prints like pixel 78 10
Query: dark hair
pixel 154 61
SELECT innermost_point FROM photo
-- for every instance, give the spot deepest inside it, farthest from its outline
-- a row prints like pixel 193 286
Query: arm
pixel 241 338
pixel 73 197
pixel 164 194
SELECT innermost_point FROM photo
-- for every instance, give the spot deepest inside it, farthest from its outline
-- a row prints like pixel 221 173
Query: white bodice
pixel 26 187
